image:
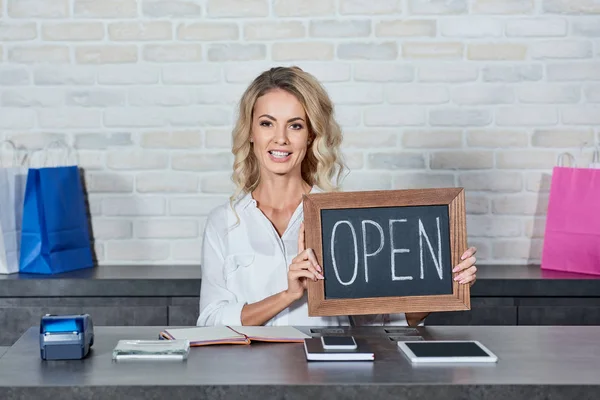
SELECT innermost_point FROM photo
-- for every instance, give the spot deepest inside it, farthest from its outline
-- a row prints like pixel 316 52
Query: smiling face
pixel 279 133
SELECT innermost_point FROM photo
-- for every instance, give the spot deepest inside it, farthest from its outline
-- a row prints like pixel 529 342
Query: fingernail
pixel 321 276
pixel 318 268
pixel 457 278
pixel 455 269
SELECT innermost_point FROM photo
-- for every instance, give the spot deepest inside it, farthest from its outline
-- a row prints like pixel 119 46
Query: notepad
pixel 203 336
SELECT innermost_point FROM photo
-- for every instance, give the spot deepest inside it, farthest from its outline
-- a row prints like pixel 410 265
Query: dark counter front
pixel 534 363
pixel 151 295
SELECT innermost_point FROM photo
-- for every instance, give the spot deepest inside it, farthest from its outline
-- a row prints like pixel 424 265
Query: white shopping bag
pixel 13 179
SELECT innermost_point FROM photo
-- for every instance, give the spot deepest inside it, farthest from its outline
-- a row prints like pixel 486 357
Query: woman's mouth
pixel 279 156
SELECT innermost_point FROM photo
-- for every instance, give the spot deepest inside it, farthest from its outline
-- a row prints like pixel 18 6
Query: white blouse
pixel 247 262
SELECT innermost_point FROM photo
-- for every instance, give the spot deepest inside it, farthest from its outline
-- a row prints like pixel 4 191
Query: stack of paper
pixel 202 336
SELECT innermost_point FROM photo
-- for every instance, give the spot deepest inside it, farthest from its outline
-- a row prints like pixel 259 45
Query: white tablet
pixel 447 351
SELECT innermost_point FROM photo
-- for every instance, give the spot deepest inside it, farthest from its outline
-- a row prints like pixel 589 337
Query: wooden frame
pixel 454 198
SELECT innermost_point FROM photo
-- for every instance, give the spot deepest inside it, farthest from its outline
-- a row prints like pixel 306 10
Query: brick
pixel 535 227
pixel 497 138
pixel 217 183
pixel 459 117
pixel 548 93
pixel 327 71
pixel 171 140
pixel 127 75
pixel 522 159
pixel 395 160
pixel 169 8
pixel 37 9
pixel 580 71
pixel 482 94
pixel 31 97
pixel 368 51
pixel 571 6
pixel 71 117
pixel 406 28
pixel 172 53
pixel 74 31
pixel 349 116
pixel 581 115
pixel 90 160
pixel 124 206
pixel 101 182
pixel 360 7
pixel 587 27
pixel 536 27
pixel 136 160
pixel 561 138
pixel 592 93
pixel 558 49
pixel 431 139
pixel 520 204
pixel 383 72
pixel 94 204
pixel 357 93
pixel 340 28
pixel 237 52
pixel 140 31
pixel 216 138
pixel 416 94
pixel 306 8
pixel 111 228
pixel 448 72
pixel 195 206
pixel 35 140
pixel 302 51
pixel 14 76
pixel 432 50
pixel 502 7
pixel 492 181
pixel 265 30
pixel 526 116
pixel 246 72
pixel 474 159
pixel 95 98
pixel 105 9
pixel 17 32
pixel 137 250
pixel 512 73
pixel 199 116
pixel 187 250
pixel 191 74
pixel 237 8
pixel 538 182
pixel 161 96
pixel 202 162
pixel 359 180
pixel 16 118
pixel 394 115
pixel 220 94
pixel 472 27
pixel 212 31
pixel 172 228
pixel 102 141
pixel 477 204
pixel 449 7
pixel 39 54
pixel 491 226
pixel 520 249
pixel 101 54
pixel 354 159
pixel 422 180
pixel 497 51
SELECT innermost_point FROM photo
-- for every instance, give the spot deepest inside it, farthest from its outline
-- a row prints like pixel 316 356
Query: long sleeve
pixel 218 305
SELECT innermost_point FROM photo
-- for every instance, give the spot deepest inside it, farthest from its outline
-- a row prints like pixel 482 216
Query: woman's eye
pixel 265 123
pixel 296 126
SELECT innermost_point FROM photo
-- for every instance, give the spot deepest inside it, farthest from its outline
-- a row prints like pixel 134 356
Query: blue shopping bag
pixel 55 231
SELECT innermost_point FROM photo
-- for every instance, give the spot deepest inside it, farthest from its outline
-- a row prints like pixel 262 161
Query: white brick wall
pixel 482 94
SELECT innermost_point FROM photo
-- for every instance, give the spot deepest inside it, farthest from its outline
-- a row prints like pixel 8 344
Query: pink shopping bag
pixel 572 232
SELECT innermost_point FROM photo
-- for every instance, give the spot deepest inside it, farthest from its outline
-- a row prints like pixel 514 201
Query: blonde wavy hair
pixel 323 160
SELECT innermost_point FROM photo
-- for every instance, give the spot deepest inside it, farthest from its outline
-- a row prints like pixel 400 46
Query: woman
pixel 255 266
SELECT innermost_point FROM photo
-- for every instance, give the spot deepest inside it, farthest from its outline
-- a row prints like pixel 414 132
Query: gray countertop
pixel 184 281
pixel 534 363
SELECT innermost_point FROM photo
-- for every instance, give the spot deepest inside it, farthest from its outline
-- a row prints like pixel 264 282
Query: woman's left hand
pixel 467 267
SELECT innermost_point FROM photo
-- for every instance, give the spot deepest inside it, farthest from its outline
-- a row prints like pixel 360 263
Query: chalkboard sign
pixel 386 251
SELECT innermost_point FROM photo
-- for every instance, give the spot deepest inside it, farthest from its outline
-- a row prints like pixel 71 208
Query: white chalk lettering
pixel 438 261
pixel 364 235
pixel 335 269
pixel 394 251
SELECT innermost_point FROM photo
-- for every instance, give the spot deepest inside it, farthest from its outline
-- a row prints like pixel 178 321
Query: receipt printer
pixel 66 337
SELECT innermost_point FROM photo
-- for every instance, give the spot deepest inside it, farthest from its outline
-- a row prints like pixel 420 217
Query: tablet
pixel 452 351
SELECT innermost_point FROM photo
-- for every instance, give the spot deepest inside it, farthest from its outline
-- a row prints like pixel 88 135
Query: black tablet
pixel 453 351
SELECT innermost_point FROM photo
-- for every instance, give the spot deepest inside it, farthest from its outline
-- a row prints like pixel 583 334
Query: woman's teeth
pixel 279 154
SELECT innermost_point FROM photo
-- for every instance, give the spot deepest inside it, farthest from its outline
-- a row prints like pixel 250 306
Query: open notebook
pixel 202 336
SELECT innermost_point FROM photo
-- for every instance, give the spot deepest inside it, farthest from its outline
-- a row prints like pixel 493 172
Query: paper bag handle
pixel 67 160
pixel 571 158
pixel 15 160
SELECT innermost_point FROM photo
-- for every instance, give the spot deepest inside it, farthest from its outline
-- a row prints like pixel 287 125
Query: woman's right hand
pixel 304 266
